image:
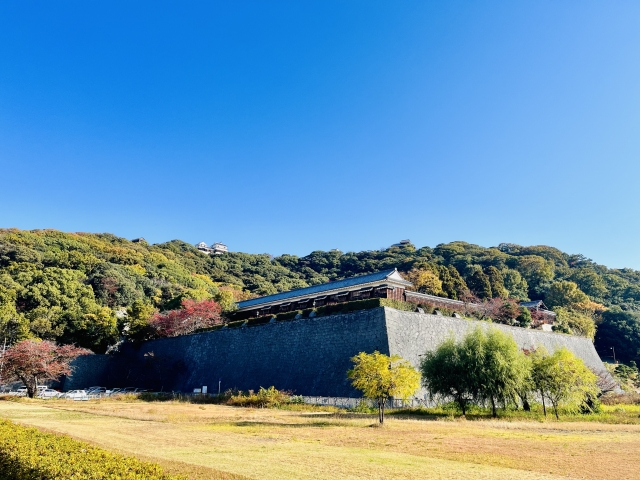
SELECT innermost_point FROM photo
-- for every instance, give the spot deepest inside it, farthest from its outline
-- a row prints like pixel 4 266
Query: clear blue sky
pixel 296 126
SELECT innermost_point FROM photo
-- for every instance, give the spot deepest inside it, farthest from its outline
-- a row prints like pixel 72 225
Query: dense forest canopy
pixel 85 288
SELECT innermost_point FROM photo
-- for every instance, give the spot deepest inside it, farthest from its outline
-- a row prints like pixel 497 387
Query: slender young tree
pixel 380 377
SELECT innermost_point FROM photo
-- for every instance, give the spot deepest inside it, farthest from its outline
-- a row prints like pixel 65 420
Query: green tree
pixel 590 283
pixel 226 300
pixel 524 319
pixel 619 330
pixel 452 283
pixel 565 294
pixel 497 283
pixel 576 323
pixel 13 326
pixel 479 284
pixel 537 271
pixel 380 377
pixel 562 379
pixel 484 367
pixel 515 284
pixel 136 324
pixel 445 374
pixel 496 366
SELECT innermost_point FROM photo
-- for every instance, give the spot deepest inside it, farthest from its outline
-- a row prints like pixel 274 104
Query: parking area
pixel 89 393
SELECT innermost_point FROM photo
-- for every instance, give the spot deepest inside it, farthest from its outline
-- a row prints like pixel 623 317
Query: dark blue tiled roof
pixel 534 303
pixel 538 304
pixel 325 287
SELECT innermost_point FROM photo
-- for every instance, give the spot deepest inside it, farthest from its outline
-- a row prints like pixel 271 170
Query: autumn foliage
pixel 192 316
pixel 32 361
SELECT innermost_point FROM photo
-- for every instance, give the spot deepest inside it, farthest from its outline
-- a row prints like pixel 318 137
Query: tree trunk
pixel 494 413
pixel 381 410
pixel 461 403
pixel 555 410
pixel 525 404
pixel 544 407
pixel 31 385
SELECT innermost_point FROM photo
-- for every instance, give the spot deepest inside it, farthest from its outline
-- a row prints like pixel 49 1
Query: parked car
pixel 113 391
pixel 76 395
pixel 97 391
pixel 129 390
pixel 48 393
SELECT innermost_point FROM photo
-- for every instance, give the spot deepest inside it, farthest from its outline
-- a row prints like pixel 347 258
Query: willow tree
pixel 445 374
pixel 483 367
pixel 380 377
pixel 562 379
pixel 497 366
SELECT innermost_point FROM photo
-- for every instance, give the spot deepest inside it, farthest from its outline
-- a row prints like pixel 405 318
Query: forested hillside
pixel 76 287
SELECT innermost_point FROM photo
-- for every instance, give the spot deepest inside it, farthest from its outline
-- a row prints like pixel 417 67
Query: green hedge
pixel 329 310
pixel 237 324
pixel 365 305
pixel 29 454
pixel 258 321
pixel 398 305
pixel 288 315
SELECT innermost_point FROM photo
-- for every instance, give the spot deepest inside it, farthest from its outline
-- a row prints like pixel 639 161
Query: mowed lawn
pixel 204 440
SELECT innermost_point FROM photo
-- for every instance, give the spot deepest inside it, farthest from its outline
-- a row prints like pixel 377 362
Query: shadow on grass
pixel 248 423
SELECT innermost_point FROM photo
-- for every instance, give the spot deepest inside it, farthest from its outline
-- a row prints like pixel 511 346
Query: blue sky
pixel 288 127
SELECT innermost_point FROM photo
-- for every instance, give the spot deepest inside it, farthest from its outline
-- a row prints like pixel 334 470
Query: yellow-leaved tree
pixel 380 377
pixel 563 379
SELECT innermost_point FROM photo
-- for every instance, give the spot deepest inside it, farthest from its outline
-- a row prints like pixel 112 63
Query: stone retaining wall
pixel 308 356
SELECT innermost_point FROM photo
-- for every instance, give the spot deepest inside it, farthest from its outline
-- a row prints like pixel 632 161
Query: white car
pixel 48 393
pixel 76 395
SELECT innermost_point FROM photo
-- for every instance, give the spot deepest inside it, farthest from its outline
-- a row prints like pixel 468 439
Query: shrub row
pixel 29 454
pixel 264 398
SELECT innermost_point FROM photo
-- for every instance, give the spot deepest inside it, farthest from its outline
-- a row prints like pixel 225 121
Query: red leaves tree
pixel 31 361
pixel 192 316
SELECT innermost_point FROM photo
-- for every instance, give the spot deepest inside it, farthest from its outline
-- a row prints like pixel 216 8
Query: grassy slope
pixel 285 444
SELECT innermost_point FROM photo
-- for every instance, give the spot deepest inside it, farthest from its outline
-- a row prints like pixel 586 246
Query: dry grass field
pixel 218 442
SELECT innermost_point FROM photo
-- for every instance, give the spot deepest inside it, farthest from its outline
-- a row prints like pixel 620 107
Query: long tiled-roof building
pixel 384 284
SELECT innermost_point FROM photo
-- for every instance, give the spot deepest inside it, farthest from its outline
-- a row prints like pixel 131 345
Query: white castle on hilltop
pixel 215 249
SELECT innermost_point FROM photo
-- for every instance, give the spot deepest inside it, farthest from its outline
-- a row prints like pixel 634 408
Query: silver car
pixel 76 395
pixel 48 393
